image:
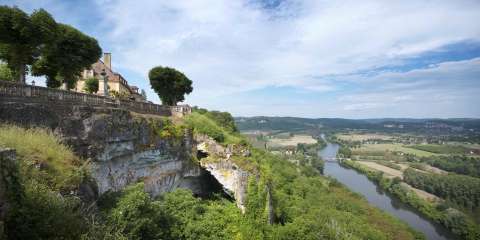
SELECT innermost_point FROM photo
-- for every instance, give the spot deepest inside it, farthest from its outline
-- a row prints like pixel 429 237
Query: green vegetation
pixel 380 149
pixel 434 130
pixel 307 155
pixel 452 219
pixel 165 128
pixel 390 165
pixel 313 207
pixel 203 124
pixel 175 215
pixel 460 189
pixel 91 85
pixel 47 173
pixel 5 73
pixel 57 51
pixel 170 84
pixel 344 152
pixel 223 119
pixel 303 204
pixel 442 149
pixel 43 158
pixel 456 163
pixel 419 166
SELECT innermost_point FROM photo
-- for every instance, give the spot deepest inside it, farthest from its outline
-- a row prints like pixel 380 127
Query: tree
pixel 63 60
pixel 91 85
pixel 6 73
pixel 16 46
pixel 22 36
pixel 170 84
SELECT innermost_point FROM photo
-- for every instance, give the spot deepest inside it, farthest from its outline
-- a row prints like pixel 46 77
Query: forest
pixel 305 204
pixel 460 164
pixel 459 189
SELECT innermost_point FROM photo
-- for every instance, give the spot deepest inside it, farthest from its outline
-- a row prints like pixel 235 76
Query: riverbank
pixel 452 219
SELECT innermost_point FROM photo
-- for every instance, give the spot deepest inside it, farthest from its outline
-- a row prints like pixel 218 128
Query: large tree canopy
pixel 58 51
pixel 63 60
pixel 17 41
pixel 170 84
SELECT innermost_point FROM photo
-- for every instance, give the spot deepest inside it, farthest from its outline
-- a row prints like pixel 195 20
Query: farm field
pixel 363 137
pixel 444 149
pixel 379 149
pixel 291 140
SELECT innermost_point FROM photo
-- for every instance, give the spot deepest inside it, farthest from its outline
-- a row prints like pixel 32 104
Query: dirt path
pixel 390 172
pixel 422 194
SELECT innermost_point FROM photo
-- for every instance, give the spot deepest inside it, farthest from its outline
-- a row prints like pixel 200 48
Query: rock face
pixel 233 179
pixel 125 148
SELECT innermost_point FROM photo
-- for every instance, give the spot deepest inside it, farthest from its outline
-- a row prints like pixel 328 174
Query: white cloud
pixel 231 46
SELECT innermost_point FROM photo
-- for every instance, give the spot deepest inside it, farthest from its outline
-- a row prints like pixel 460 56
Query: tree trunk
pixel 21 73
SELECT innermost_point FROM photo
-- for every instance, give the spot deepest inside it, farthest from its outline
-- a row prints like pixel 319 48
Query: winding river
pixel 374 195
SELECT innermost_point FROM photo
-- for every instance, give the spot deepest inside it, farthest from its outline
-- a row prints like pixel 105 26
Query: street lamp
pixel 105 82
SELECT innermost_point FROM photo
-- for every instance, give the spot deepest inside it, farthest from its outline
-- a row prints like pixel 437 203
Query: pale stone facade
pixel 116 82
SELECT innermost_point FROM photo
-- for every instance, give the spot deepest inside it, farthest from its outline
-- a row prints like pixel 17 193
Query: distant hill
pixel 446 126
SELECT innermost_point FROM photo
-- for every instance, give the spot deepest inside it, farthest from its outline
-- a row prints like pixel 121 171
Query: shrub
pixel 204 125
pixel 44 214
pixel 138 217
pixel 91 85
pixel 43 158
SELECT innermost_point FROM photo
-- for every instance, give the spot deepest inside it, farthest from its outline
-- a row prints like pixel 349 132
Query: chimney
pixel 107 60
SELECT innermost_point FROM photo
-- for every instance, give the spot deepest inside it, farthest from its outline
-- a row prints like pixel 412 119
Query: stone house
pixel 116 82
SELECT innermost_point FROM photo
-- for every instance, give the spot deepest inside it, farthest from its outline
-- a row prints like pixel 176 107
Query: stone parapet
pixel 34 94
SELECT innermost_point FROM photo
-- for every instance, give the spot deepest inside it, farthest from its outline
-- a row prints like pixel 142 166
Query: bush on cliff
pixel 203 124
pixel 43 158
pixel 175 215
pixel 48 172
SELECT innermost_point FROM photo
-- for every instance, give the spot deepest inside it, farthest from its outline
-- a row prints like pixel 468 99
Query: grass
pixel 205 125
pixel 42 157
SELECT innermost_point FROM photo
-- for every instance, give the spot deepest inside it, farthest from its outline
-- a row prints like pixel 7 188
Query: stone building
pixel 116 82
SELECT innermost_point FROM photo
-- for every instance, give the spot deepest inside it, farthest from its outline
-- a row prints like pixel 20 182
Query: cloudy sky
pixel 309 58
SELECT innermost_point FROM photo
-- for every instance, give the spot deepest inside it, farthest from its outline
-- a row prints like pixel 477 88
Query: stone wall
pixel 14 92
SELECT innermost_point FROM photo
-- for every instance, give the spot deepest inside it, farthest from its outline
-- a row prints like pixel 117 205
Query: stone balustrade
pixel 42 94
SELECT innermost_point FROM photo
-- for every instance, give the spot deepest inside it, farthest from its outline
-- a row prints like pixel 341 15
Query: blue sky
pixel 308 58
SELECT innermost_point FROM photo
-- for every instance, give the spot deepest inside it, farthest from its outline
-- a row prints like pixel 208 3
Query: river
pixel 361 184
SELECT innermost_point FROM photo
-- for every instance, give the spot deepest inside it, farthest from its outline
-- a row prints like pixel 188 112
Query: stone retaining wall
pixel 14 92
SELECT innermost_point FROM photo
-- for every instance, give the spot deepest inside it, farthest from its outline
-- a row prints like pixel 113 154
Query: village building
pixel 117 84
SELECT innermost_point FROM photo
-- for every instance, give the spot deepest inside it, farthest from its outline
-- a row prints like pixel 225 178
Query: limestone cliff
pixel 217 160
pixel 125 147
